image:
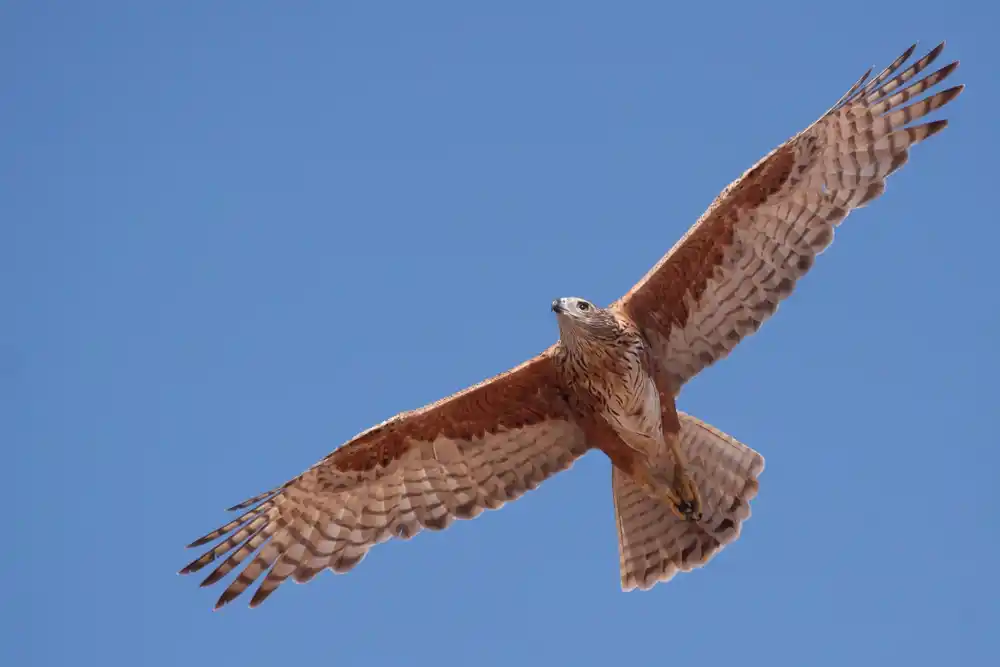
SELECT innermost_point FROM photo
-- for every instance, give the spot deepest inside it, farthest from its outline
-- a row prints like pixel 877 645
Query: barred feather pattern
pixel 328 518
pixel 653 543
pixel 729 273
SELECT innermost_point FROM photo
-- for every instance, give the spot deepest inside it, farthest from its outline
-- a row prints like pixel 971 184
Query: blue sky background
pixel 236 234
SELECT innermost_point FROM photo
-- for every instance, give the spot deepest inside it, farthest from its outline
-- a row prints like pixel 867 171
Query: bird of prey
pixel 681 488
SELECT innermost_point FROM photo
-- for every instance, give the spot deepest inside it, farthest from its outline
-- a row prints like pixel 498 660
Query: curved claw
pixel 689 511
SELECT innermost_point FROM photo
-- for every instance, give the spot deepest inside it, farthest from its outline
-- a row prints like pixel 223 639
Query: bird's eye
pixel 584 306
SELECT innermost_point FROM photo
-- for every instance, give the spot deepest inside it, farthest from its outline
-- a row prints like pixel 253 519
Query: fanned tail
pixel 653 543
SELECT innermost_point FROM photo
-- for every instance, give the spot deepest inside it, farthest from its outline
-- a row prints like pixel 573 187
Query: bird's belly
pixel 634 407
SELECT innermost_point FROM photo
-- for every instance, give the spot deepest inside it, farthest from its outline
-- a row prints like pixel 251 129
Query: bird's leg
pixel 679 489
pixel 689 506
pixel 683 496
pixel 655 464
pixel 673 485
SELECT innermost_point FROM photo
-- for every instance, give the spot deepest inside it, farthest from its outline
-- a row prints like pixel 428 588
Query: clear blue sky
pixel 236 234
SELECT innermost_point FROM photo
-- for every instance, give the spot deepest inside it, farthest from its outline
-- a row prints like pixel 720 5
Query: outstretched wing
pixel 475 450
pixel 728 274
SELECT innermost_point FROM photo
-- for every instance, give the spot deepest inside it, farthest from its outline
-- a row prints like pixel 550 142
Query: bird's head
pixel 579 319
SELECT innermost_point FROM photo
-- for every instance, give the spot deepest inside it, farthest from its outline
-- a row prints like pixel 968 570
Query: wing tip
pixel 949 94
pixel 227 596
pixel 201 541
pixel 934 127
pixel 260 595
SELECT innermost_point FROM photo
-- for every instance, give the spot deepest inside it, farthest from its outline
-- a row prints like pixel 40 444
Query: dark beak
pixel 557 306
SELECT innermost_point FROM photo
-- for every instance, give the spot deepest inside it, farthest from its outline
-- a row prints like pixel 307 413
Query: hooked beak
pixel 557 307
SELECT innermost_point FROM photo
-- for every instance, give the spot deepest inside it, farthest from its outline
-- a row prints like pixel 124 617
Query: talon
pixel 674 503
pixel 688 511
pixel 690 503
pixel 682 497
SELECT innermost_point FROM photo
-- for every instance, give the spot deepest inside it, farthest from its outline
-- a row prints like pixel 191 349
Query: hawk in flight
pixel 681 488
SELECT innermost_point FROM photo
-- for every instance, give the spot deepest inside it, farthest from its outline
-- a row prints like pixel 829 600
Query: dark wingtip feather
pixel 908 52
pixel 214 576
pixel 189 568
pixel 947 70
pixel 934 127
pixel 248 502
pixel 260 595
pixel 198 563
pixel 854 88
pixel 950 94
pixel 933 54
pixel 203 540
pixel 227 596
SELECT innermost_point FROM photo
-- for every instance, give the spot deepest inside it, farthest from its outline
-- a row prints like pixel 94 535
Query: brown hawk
pixel 681 488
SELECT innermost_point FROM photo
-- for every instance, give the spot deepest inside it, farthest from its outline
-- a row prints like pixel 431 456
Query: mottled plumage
pixel 681 488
